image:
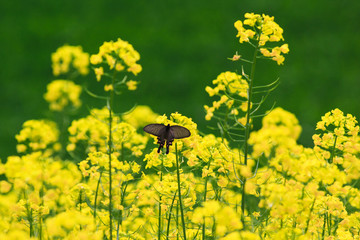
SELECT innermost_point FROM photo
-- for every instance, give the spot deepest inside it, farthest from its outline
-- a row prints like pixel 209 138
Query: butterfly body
pixel 166 134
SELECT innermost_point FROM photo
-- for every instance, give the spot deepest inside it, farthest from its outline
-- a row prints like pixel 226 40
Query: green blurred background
pixel 184 45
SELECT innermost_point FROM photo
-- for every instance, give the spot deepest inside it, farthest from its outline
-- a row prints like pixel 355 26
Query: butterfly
pixel 166 133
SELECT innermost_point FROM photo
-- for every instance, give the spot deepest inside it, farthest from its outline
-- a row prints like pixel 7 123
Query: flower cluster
pixel 232 90
pixel 63 94
pixel 262 29
pixel 296 192
pixel 279 129
pixel 116 56
pixel 140 116
pixel 112 184
pixel 38 135
pixel 224 218
pixel 67 59
pixel 338 141
pixel 38 196
pixel 90 134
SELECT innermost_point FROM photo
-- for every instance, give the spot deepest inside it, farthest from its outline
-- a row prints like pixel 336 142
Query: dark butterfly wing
pixel 155 129
pixel 179 132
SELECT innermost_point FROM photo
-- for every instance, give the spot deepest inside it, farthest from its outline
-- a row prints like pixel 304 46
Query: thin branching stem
pixel 96 194
pixel 170 210
pixel 110 104
pixel 275 82
pixel 205 191
pixel 309 218
pixel 324 226
pixel 179 189
pixel 29 215
pixel 159 229
pixel 247 128
pixel 333 151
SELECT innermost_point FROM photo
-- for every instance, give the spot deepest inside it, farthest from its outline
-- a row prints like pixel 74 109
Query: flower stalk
pixel 110 103
pixel 247 129
pixel 179 190
pixel 159 217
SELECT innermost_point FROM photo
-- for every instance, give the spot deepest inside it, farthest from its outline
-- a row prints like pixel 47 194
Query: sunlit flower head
pixel 38 135
pixel 119 55
pixel 337 141
pixel 261 30
pixel 67 59
pixel 140 116
pixel 115 57
pixel 227 84
pixel 63 94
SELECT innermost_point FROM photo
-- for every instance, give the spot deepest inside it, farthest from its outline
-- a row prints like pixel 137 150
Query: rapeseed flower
pixel 261 30
pixel 280 129
pixel 38 135
pixel 63 94
pixel 229 87
pixel 67 59
pixel 119 55
pixel 140 116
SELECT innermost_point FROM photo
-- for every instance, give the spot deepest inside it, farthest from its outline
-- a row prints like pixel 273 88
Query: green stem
pixel 309 218
pixel 248 117
pixel 247 129
pixel 205 191
pixel 214 228
pixel 122 197
pixel 333 151
pixel 40 226
pixel 324 226
pixel 123 188
pixel 329 224
pixel 80 202
pixel 159 229
pixel 177 220
pixel 41 193
pixel 29 215
pixel 293 230
pixel 110 146
pixel 170 210
pixel 243 203
pixel 180 201
pixel 96 195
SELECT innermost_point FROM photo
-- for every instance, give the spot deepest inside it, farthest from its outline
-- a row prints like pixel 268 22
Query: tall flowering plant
pixel 113 59
pixel 236 106
pixel 242 184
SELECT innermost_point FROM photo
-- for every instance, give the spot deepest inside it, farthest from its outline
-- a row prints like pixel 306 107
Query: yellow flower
pixel 63 94
pixel 209 112
pixel 132 85
pixel 99 72
pixel 236 57
pixel 235 86
pixel 266 30
pixel 38 135
pixel 109 87
pixel 222 182
pixel 68 58
pixel 119 67
pixel 284 48
pixel 211 91
pixel 140 116
pixel 4 186
pixel 244 34
pixel 245 171
pixel 95 59
pixel 115 53
pixel 251 19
